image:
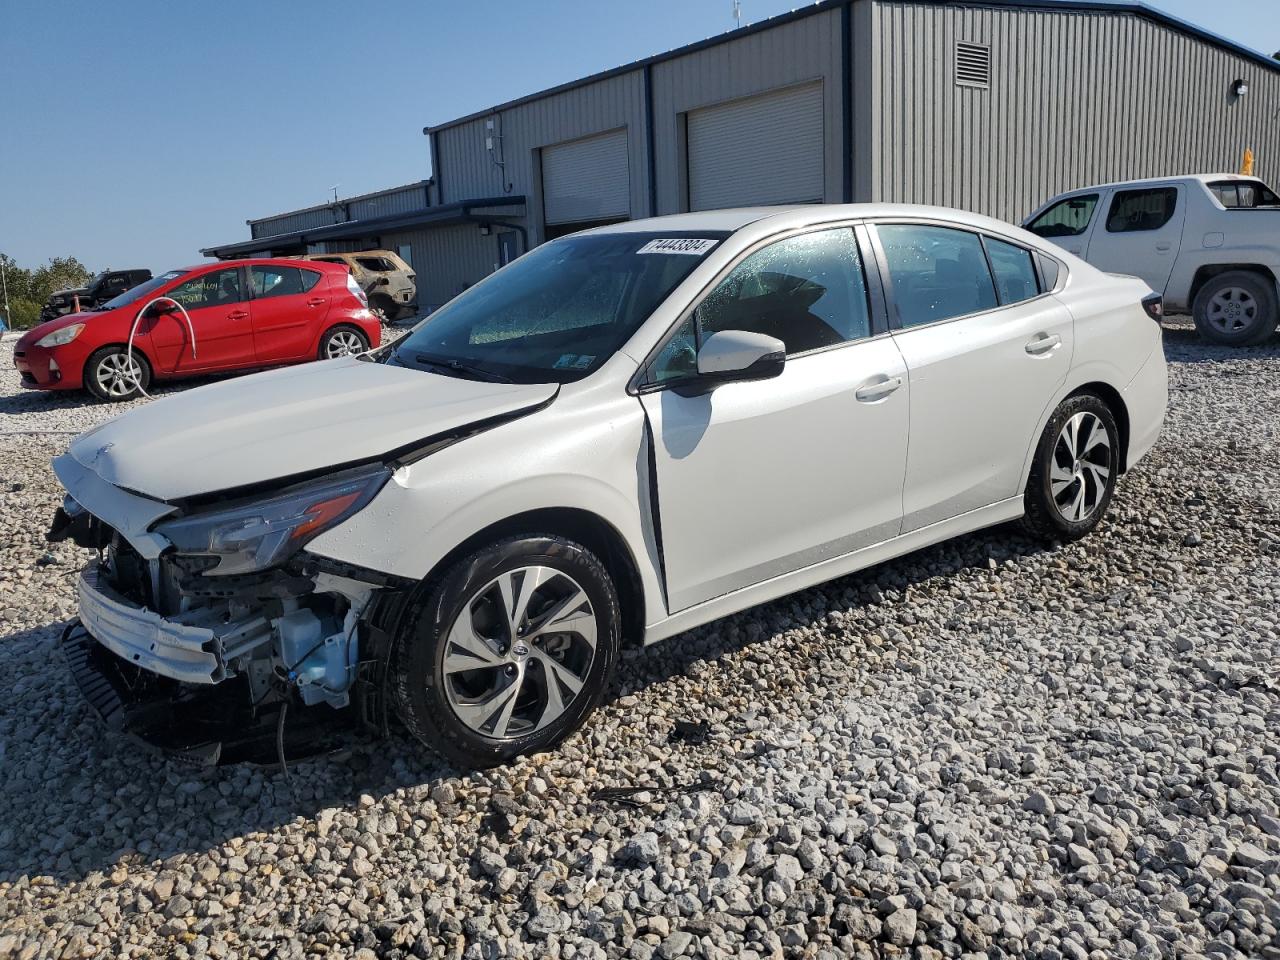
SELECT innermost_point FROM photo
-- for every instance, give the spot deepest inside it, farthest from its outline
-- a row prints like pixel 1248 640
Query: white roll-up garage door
pixel 763 149
pixel 586 179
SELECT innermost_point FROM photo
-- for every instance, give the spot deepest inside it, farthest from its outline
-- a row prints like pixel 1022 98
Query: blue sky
pixel 135 133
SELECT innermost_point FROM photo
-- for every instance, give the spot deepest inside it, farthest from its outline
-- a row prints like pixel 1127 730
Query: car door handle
pixel 1044 344
pixel 316 301
pixel 237 314
pixel 874 390
pixel 1164 246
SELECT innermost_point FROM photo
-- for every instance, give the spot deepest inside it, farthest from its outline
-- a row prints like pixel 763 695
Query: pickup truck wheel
pixel 342 342
pixel 1237 308
pixel 509 650
pixel 111 374
pixel 1073 476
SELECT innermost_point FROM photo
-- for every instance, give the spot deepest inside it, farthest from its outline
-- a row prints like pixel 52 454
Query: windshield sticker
pixel 695 246
pixel 584 361
pixel 566 361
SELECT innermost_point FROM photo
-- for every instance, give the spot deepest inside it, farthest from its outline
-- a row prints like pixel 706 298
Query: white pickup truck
pixel 1209 244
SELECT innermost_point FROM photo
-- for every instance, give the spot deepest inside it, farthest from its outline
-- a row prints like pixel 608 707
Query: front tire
pixel 1073 476
pixel 509 650
pixel 342 342
pixel 111 375
pixel 1236 309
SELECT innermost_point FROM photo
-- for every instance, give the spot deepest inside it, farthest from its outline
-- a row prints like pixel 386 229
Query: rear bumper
pixel 1146 398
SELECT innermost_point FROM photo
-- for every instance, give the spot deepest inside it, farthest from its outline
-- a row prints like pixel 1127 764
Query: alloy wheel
pixel 519 652
pixel 1232 310
pixel 342 343
pixel 119 374
pixel 1081 467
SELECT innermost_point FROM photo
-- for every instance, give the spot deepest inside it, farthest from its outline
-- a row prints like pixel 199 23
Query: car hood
pixel 41 330
pixel 288 422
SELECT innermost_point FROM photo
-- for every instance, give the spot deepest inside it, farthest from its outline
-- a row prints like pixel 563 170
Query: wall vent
pixel 973 65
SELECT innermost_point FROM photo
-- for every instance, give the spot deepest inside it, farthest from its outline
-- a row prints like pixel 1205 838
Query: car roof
pixel 1181 178
pixel 252 262
pixel 798 215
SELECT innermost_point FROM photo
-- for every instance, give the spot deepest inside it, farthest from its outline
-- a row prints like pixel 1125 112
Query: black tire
pixel 1048 517
pixel 383 307
pixel 99 381
pixel 341 333
pixel 423 689
pixel 1236 309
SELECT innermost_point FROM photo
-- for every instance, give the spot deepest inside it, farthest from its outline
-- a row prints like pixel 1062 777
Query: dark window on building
pixel 936 272
pixel 1133 211
pixel 1014 270
pixel 1066 218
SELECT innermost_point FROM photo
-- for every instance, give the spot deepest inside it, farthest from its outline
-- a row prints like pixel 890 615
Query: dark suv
pixel 103 287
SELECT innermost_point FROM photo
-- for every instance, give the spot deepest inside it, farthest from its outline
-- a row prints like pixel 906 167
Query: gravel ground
pixel 983 749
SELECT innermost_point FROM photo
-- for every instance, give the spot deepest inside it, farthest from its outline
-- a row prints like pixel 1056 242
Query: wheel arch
pixel 1115 403
pixel 138 348
pixel 583 526
pixel 328 327
pixel 1210 270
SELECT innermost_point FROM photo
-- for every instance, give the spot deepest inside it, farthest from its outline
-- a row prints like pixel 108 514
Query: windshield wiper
pixel 451 368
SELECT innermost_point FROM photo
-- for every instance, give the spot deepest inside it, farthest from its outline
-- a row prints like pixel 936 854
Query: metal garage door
pixel 765 149
pixel 586 179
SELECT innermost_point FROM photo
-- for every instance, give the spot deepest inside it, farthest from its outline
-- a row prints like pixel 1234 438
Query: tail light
pixel 356 291
pixel 1154 305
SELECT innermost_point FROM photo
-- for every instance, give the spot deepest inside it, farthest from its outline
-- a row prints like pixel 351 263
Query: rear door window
pixel 1066 218
pixel 935 273
pixel 273 281
pixel 1135 211
pixel 1014 271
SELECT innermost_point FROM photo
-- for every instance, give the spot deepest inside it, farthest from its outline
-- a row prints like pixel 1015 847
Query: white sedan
pixel 625 433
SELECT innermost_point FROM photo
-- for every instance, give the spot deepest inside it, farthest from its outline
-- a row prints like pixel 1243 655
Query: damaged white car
pixel 625 433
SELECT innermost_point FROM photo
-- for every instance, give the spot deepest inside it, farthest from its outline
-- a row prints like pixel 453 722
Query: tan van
pixel 389 282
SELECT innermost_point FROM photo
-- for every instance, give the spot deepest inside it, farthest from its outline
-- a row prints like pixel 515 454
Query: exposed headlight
pixel 255 536
pixel 59 337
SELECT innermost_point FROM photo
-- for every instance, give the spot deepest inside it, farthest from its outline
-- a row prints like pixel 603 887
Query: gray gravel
pixel 983 749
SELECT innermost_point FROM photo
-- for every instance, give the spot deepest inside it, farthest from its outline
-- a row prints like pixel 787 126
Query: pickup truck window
pixel 1066 218
pixel 1137 210
pixel 1239 195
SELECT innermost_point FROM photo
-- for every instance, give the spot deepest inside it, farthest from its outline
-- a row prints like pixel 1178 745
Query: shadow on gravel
pixel 1184 345
pixel 82 800
pixel 65 401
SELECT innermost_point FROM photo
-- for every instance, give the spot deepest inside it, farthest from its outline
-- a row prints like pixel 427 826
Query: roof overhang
pixel 466 211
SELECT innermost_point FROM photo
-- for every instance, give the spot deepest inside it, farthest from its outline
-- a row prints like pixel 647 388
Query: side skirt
pixel 817 573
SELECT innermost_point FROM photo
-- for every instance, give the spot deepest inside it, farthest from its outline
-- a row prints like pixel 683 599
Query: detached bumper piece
pixel 201 726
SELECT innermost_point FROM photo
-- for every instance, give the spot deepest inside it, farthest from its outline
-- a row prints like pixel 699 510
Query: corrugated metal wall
pixel 447 260
pixel 468 171
pixel 297 220
pixel 1076 98
pixel 788 54
pixel 404 199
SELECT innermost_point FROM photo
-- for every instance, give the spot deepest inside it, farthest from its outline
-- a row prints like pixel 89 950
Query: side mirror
pixel 733 356
pixel 161 308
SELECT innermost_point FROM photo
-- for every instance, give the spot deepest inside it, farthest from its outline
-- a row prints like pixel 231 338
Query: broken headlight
pixel 254 536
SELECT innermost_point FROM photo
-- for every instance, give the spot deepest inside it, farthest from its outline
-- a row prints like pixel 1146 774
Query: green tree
pixel 29 290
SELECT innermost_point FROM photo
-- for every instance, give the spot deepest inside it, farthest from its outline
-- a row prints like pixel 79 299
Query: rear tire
pixel 482 686
pixel 342 341
pixel 109 375
pixel 1073 476
pixel 1236 309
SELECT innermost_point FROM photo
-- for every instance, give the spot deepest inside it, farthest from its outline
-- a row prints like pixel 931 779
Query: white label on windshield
pixel 695 246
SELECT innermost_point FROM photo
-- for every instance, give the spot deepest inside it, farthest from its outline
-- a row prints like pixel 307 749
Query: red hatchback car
pixel 244 315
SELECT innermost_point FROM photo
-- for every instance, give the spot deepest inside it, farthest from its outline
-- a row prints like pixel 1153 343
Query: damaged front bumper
pixel 192 647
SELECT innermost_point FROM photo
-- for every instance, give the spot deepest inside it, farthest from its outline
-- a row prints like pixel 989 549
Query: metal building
pixel 987 105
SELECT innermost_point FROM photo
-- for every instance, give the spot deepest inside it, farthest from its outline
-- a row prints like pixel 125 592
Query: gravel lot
pixel 985 748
